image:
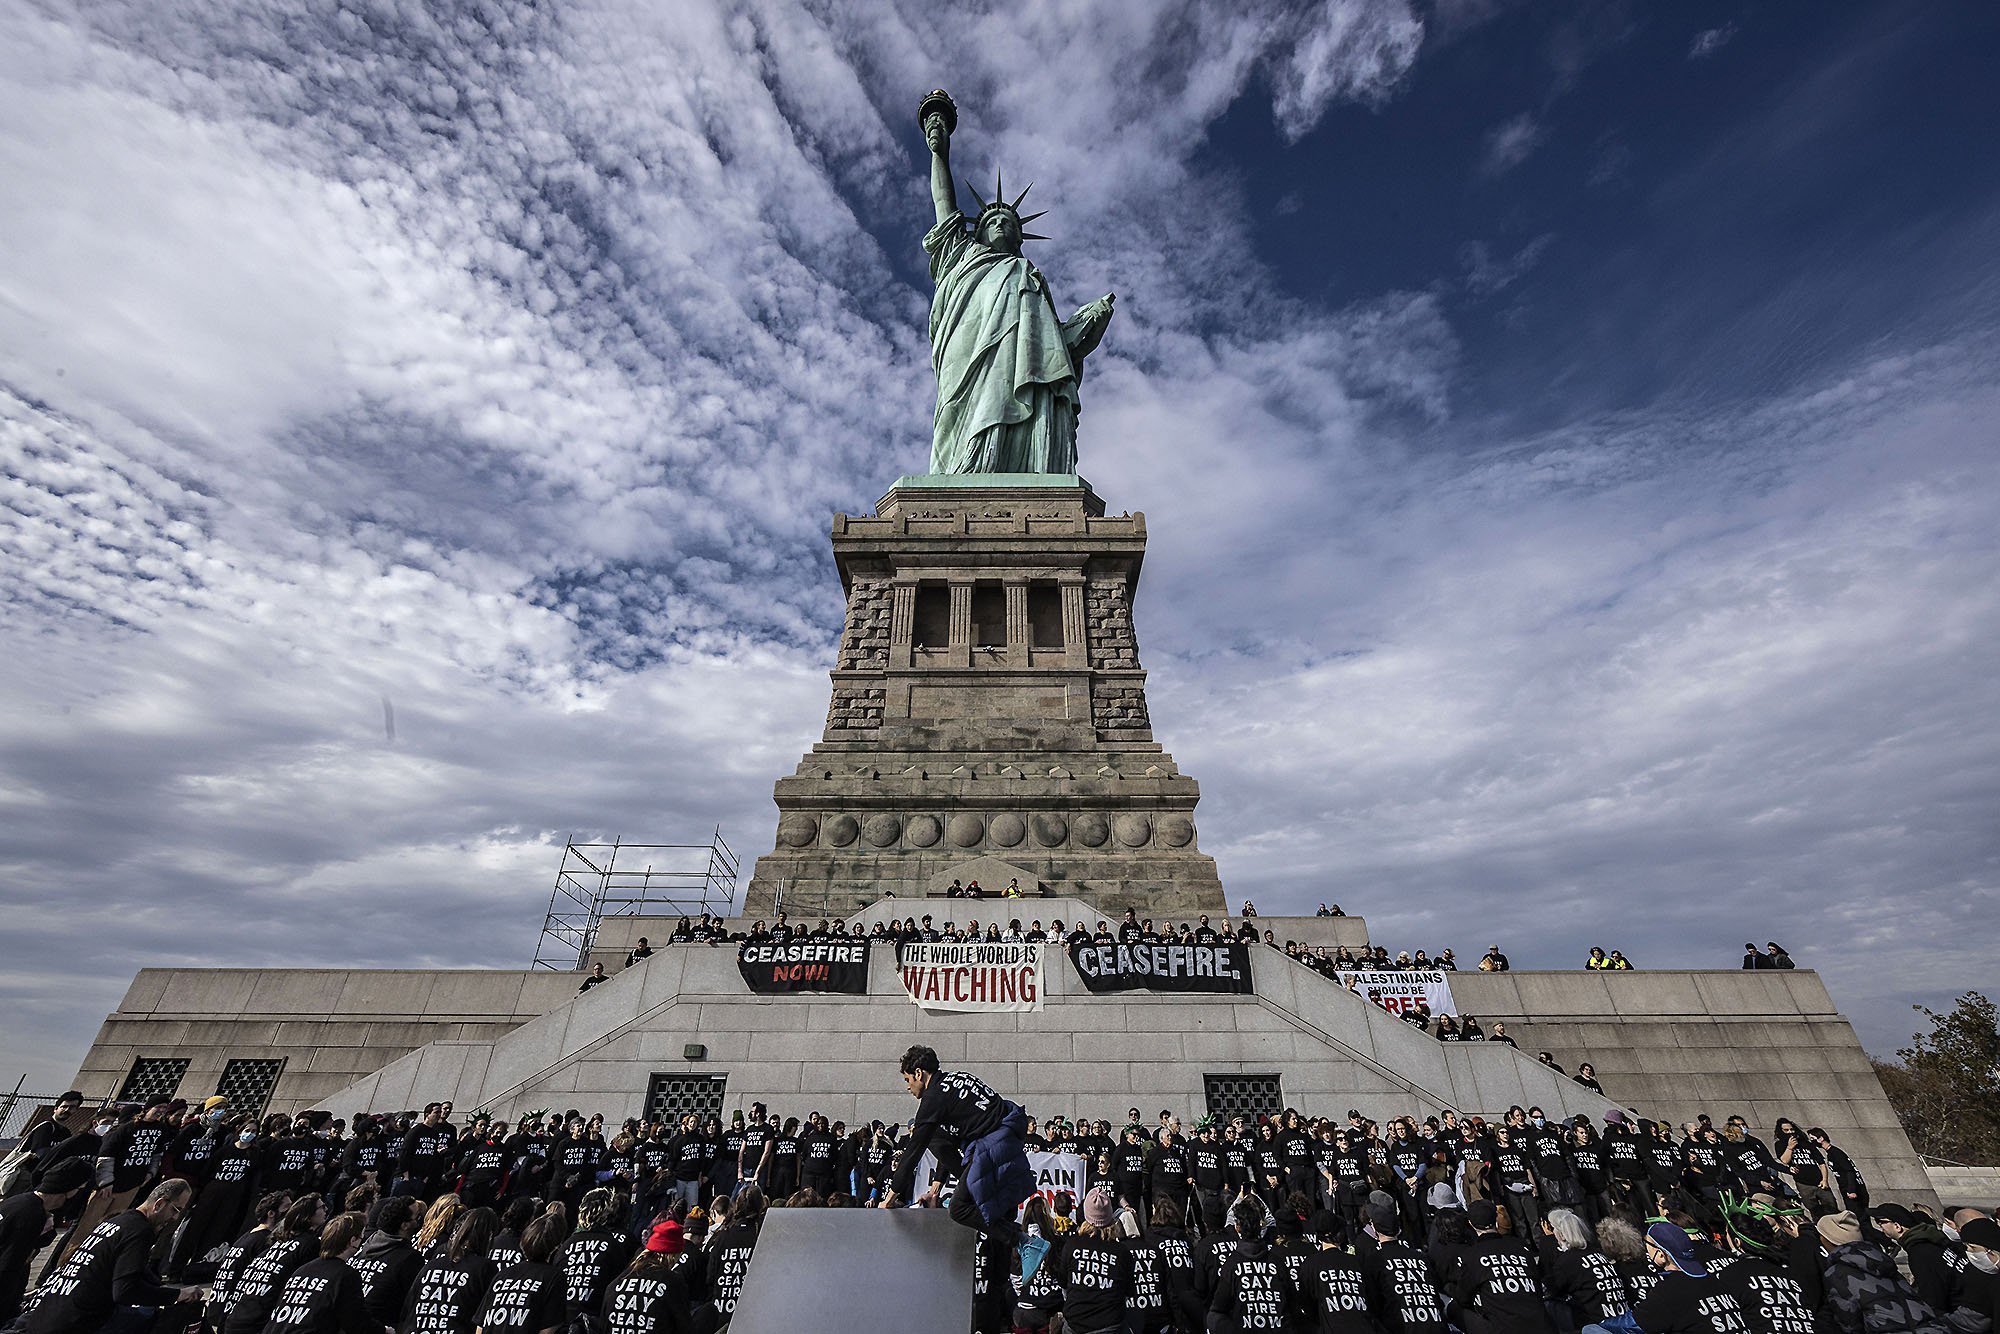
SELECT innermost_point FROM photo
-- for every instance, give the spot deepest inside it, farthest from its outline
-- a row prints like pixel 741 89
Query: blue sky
pixel 1567 436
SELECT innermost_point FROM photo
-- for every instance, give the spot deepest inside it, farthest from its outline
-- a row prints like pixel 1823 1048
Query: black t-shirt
pixel 958 1106
pixel 1401 1292
pixel 1336 1291
pixel 728 1260
pixel 589 1261
pixel 755 1137
pixel 322 1297
pixel 255 1291
pixel 235 1260
pixel 690 1153
pixel 134 1148
pixel 1252 1291
pixel 525 1297
pixel 1096 1278
pixel 1210 1167
pixel 109 1267
pixel 1496 1277
pixel 447 1296
pixel 483 1164
pixel 25 1224
pixel 291 1164
pixel 1169 1168
pixel 1679 1304
pixel 651 1303
pixel 1589 1283
pixel 817 1151
pixel 387 1266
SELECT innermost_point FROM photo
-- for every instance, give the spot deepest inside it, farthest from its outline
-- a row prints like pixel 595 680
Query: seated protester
pixel 1625 1246
pixel 1447 1029
pixel 1094 1270
pixel 1165 1256
pixel 1981 1238
pixel 1937 1263
pixel 1581 1280
pixel 528 1297
pixel 727 1256
pixel 1469 1029
pixel 269 1212
pixel 1865 1293
pixel 1333 1287
pixel 1251 1290
pixel 1761 1238
pixel 1401 1293
pixel 384 1259
pixel 643 950
pixel 683 933
pixel 1419 1016
pixel 323 1295
pixel 451 1290
pixel 255 1291
pixel 28 1223
pixel 654 1294
pixel 107 1278
pixel 1496 1289
pixel 595 1254
pixel 1688 1299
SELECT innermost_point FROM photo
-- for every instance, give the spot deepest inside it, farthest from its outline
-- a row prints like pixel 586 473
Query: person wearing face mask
pixel 1937 1264
pixel 1981 1238
pixel 219 1210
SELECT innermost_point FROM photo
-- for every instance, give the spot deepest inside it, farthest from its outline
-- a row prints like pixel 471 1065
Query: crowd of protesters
pixel 170 1215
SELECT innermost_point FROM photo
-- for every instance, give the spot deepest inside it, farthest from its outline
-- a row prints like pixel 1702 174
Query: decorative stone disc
pixel 841 830
pixel 923 831
pixel 796 831
pixel 881 830
pixel 1050 829
pixel 1092 830
pixel 1007 830
pixel 1132 830
pixel 965 829
pixel 1176 831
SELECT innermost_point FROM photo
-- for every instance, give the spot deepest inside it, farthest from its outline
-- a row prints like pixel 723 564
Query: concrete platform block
pixel 304 991
pixel 1809 992
pixel 1654 993
pixel 1076 1077
pixel 148 986
pixel 1274 1049
pixel 211 991
pixel 1751 992
pixel 364 993
pixel 775 1078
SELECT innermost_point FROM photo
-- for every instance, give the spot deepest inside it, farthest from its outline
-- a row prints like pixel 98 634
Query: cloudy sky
pixel 1567 435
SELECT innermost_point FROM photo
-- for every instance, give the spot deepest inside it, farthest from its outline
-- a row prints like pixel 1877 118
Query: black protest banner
pixel 812 964
pixel 1141 967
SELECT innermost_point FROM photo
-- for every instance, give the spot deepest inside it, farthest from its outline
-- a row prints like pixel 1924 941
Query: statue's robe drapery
pixel 1007 399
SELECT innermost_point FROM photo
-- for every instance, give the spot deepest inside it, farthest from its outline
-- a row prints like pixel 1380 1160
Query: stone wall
pixel 1763 1044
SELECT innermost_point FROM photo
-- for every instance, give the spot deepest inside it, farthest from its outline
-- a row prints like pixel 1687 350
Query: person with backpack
pixel 985 1129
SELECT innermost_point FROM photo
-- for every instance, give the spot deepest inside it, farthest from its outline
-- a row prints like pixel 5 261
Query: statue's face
pixel 1002 231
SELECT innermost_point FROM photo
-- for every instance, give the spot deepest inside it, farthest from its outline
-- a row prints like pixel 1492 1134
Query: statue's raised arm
pixel 1007 365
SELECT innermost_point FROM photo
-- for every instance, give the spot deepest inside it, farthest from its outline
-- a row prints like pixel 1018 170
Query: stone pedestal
pixel 988 702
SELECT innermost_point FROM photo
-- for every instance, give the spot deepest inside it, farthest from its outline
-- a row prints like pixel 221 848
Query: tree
pixel 1945 1085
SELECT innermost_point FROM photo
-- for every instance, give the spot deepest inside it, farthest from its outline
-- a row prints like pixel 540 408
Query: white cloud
pixel 1509 144
pixel 1710 40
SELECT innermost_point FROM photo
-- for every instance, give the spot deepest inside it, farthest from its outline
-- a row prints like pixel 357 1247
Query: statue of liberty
pixel 1007 365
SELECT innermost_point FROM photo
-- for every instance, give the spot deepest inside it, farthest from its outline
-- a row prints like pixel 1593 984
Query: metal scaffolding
pixel 620 879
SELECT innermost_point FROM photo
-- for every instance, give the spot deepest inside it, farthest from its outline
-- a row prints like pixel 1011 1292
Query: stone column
pixel 902 619
pixel 1076 643
pixel 960 643
pixel 1017 625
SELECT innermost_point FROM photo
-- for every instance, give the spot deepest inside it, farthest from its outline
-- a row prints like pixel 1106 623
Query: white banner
pixel 1402 988
pixel 946 976
pixel 1054 1172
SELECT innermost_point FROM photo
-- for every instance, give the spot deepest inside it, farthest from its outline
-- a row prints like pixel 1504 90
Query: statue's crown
pixel 999 204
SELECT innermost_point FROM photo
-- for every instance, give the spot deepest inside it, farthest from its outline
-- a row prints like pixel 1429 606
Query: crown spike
pixel 1033 236
pixel 973 190
pixel 999 190
pixel 1032 216
pixel 1023 195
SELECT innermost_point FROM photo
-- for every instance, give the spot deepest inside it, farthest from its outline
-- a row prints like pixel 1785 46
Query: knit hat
pixel 1481 1214
pixel 67 1175
pixel 210 1104
pixel 1984 1232
pixel 1841 1229
pixel 666 1238
pixel 1679 1248
pixel 1099 1208
pixel 1381 1210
